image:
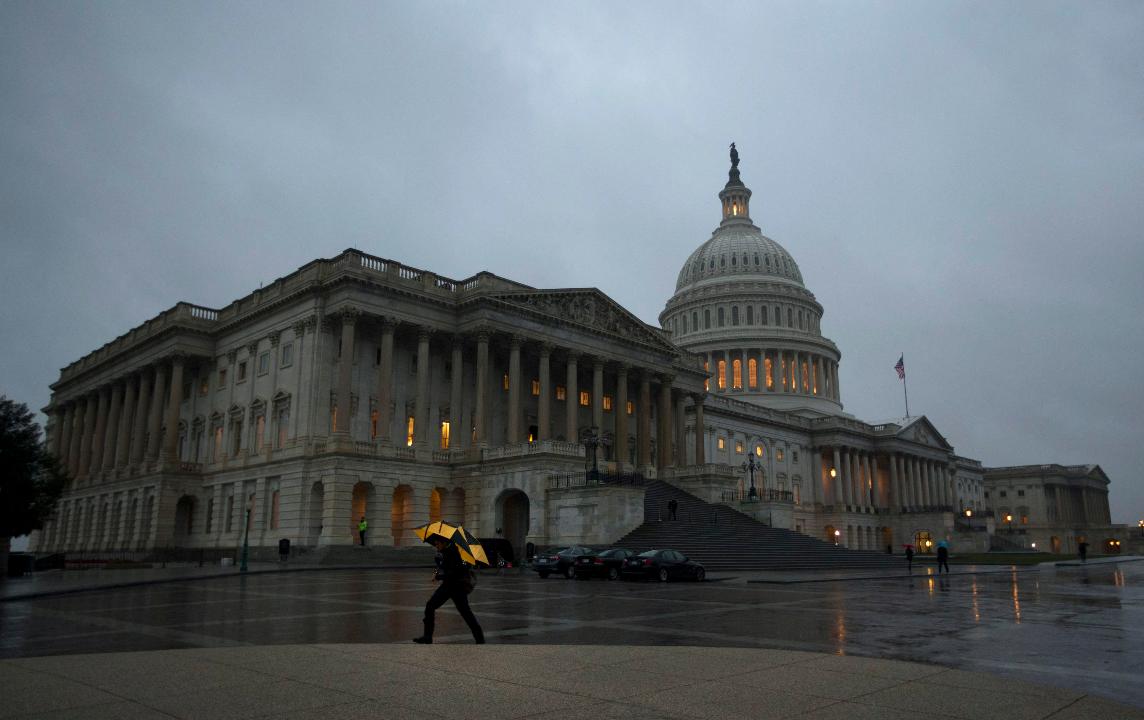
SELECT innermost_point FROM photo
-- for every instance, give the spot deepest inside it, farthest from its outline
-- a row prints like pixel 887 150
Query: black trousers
pixel 362 537
pixel 942 563
pixel 460 598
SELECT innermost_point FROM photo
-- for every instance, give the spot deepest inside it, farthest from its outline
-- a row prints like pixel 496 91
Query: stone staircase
pixel 724 539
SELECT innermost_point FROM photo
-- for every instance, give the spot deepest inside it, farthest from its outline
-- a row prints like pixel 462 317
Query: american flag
pixel 901 367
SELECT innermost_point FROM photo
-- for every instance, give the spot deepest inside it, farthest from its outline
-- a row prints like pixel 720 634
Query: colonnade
pixel 122 422
pixel 119 520
pixel 617 380
pixel 860 479
pixel 773 370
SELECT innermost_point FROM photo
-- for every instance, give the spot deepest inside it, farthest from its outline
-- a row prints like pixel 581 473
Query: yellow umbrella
pixel 468 546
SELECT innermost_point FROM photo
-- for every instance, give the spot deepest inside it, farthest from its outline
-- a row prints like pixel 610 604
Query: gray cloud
pixel 957 181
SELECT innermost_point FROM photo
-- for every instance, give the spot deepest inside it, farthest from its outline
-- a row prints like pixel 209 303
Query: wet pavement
pixel 1078 627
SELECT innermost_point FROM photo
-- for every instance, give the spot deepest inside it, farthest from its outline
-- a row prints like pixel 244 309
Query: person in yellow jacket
pixel 361 528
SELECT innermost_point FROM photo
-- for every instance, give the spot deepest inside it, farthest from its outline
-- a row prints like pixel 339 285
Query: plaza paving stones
pixel 1060 644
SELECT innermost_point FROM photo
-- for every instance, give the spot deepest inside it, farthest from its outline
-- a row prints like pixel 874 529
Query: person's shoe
pixel 423 640
pixel 481 641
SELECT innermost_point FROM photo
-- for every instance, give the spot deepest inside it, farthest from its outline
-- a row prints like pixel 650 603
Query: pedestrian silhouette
pixel 456 583
pixel 909 559
pixel 1082 548
pixel 672 506
pixel 942 556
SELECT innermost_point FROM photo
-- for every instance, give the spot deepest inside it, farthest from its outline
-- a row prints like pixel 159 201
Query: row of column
pixel 776 371
pixel 669 433
pixel 119 521
pixel 119 424
pixel 851 477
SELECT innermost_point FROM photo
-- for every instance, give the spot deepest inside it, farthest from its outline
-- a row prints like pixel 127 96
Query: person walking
pixel 672 507
pixel 942 556
pixel 456 584
pixel 361 528
pixel 910 559
pixel 1082 549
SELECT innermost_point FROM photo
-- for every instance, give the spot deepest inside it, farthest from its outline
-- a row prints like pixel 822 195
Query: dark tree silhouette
pixel 31 479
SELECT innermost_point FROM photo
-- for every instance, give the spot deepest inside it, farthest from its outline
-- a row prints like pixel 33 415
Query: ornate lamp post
pixel 591 440
pixel 751 466
pixel 1009 520
pixel 245 538
pixel 1141 524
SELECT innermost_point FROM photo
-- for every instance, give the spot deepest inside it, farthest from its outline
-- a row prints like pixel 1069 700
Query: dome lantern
pixel 735 196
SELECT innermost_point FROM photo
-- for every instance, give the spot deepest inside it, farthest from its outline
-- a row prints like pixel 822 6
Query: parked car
pixel 604 563
pixel 663 565
pixel 561 561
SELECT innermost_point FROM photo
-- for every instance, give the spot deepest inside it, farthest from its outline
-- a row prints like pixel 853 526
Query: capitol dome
pixel 740 302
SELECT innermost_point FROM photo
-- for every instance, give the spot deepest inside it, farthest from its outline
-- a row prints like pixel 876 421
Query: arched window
pixel 720 311
pixel 734 314
pixel 778 316
pixel 707 319
pixel 695 320
pixel 737 374
pixel 756 259
pixel 753 373
pixel 722 261
pixel 790 317
pixel 763 315
pixel 768 373
pixel 750 314
pixel 684 322
pixel 732 261
pixel 721 380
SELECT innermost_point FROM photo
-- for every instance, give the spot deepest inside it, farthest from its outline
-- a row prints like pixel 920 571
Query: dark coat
pixel 451 570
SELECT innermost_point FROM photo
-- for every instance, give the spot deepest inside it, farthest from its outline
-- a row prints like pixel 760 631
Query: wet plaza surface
pixel 1079 627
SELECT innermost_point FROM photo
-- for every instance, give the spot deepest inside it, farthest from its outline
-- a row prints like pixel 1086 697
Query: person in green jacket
pixel 361 528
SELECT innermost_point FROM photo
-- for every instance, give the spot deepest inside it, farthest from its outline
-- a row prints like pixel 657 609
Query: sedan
pixel 606 563
pixel 663 565
pixel 561 561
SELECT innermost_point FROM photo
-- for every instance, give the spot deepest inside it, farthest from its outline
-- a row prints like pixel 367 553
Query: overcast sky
pixel 961 182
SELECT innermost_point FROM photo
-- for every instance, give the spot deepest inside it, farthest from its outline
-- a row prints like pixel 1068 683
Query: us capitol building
pixel 360 387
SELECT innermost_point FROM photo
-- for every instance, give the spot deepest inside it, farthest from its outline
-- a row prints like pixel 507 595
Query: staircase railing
pixel 761 495
pixel 590 478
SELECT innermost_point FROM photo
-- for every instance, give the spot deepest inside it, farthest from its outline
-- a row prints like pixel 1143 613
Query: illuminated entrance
pixel 923 542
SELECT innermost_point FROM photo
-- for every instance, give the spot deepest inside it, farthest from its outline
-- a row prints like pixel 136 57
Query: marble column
pixel 680 417
pixel 422 433
pixel 818 487
pixel 139 431
pixel 111 431
pixel 870 489
pixel 344 416
pixel 837 494
pixel 85 438
pixel 175 404
pixel 663 436
pixel 571 401
pixel 123 435
pixel 895 492
pixel 598 401
pixel 63 450
pixel 700 430
pixel 100 431
pixel 643 422
pixel 513 434
pixel 482 391
pixel 621 410
pixel 155 419
pixel 457 435
pixel 385 382
pixel 544 402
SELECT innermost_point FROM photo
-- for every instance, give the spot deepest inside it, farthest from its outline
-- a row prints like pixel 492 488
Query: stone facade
pixel 360 387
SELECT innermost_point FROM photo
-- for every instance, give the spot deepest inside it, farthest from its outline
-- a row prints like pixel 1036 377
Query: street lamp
pixel 1009 520
pixel 751 466
pixel 246 538
pixel 837 536
pixel 591 440
pixel 968 513
pixel 1141 524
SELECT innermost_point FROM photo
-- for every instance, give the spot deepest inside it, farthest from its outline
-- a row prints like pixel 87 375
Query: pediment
pixel 592 309
pixel 921 431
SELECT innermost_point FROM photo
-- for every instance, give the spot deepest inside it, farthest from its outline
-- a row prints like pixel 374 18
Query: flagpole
pixel 905 392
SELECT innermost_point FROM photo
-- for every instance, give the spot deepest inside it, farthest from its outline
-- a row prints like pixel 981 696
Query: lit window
pixel 779 455
pixel 707 380
pixel 409 432
pixel 585 398
pixel 753 373
pixel 722 443
pixel 608 403
pixel 445 435
pixel 737 374
pixel 738 447
pixel 759 450
pixel 287 354
pixel 536 388
pixel 722 378
pixel 506 381
pixel 242 371
pixel 373 424
pixel 204 386
pixel 631 407
pixel 805 381
pixel 561 392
